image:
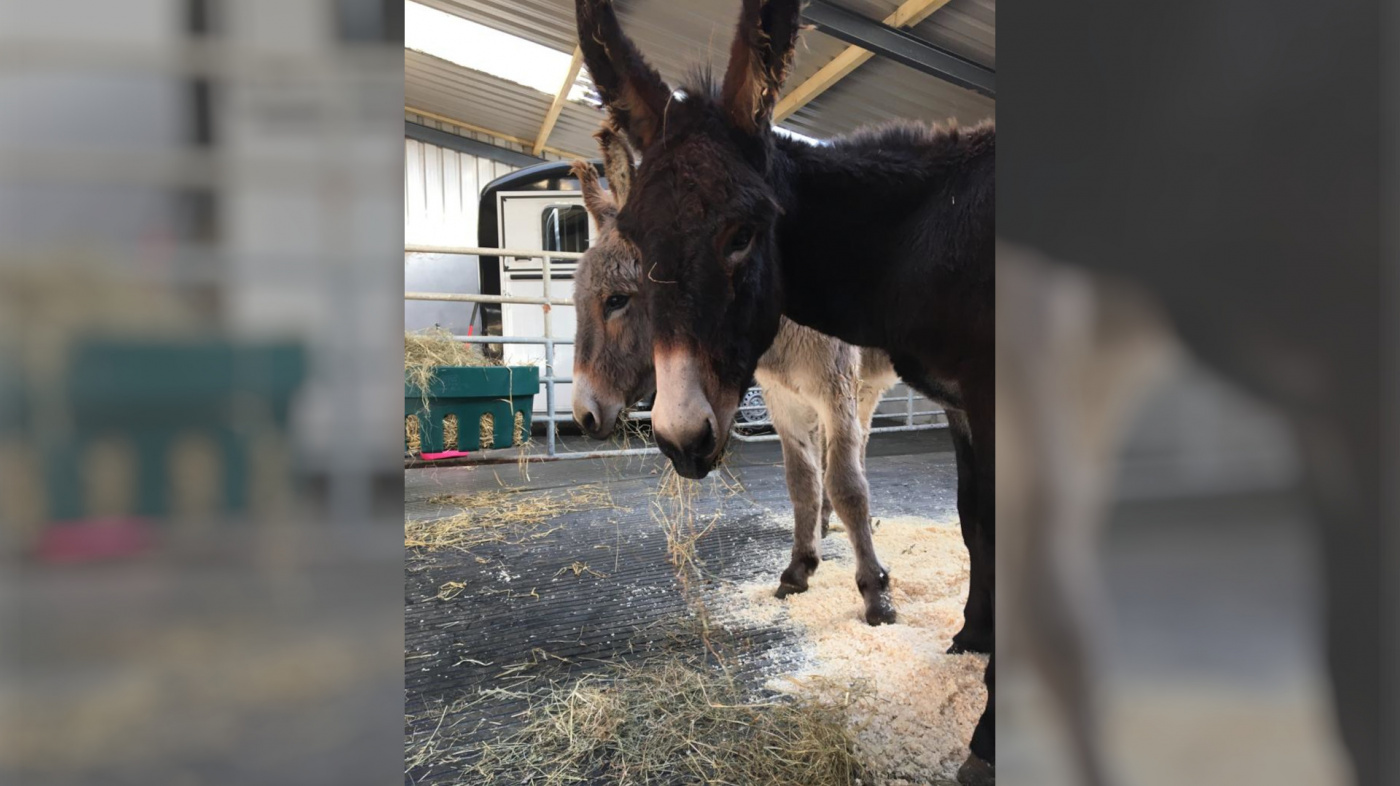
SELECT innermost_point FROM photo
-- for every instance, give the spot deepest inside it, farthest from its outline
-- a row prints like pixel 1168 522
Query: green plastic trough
pixel 468 393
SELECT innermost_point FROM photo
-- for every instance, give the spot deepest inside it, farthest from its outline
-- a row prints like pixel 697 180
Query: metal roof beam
pixel 552 116
pixel 463 144
pixel 462 124
pixel 900 46
pixel 909 14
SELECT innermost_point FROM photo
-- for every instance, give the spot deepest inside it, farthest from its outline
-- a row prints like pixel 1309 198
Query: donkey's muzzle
pixel 682 419
pixel 595 416
pixel 693 460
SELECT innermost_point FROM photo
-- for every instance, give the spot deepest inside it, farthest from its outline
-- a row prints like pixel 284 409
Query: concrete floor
pixel 516 604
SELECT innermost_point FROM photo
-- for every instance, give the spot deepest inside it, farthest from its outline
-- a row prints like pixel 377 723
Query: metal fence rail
pixel 550 378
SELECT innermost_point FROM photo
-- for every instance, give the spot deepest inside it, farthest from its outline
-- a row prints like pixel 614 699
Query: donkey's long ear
pixel 617 163
pixel 599 203
pixel 759 61
pixel 633 91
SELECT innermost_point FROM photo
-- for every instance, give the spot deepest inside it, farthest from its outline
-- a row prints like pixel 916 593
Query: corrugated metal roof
pixel 675 37
pixel 964 27
pixel 885 90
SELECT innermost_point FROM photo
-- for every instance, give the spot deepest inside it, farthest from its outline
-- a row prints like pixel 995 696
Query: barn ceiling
pixel 675 36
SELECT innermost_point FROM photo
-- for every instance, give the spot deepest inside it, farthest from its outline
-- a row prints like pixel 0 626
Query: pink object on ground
pixel 91 540
pixel 443 455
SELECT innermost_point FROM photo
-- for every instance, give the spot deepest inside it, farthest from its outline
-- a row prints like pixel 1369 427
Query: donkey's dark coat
pixel 882 239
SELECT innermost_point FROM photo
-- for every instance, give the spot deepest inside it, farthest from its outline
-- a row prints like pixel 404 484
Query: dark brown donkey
pixel 882 239
pixel 820 392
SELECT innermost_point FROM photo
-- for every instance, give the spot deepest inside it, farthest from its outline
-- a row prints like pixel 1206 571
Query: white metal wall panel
pixel 442 189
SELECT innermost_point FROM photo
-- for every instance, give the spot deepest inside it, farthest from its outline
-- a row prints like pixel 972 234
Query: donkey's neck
pixel 899 213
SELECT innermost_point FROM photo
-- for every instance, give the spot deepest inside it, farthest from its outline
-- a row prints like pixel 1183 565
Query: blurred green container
pixel 468 393
pixel 152 394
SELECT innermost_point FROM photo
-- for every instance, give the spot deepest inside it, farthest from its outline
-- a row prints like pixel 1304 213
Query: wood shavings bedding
pixel 914 726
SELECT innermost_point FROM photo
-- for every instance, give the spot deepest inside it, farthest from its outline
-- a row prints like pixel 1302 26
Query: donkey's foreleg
pixel 795 423
pixel 978 613
pixel 850 495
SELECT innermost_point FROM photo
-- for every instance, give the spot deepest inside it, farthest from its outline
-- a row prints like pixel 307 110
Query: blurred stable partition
pixel 200 207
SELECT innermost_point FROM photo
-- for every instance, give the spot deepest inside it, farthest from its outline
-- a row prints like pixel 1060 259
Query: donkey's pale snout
pixel 596 417
pixel 682 419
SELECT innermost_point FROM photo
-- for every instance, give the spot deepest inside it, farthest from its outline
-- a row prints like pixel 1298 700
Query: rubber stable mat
pixel 599 588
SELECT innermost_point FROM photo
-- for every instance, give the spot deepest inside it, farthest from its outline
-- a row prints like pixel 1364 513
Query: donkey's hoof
pixel 785 589
pixel 881 612
pixel 971 641
pixel 794 578
pixel 975 772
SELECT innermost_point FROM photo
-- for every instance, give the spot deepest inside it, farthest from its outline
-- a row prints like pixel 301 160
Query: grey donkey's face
pixel 612 347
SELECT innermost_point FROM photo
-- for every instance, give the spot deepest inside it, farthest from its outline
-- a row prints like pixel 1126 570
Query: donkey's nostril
pixel 706 445
pixel 590 423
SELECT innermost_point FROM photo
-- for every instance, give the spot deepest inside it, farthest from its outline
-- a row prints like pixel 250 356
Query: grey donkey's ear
pixel 599 203
pixel 617 162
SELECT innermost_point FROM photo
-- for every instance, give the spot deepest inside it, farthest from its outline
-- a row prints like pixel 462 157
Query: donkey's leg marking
pixel 795 423
pixel 819 444
pixel 850 495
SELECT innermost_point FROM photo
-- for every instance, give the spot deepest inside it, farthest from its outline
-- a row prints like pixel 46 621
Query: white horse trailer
pixel 541 221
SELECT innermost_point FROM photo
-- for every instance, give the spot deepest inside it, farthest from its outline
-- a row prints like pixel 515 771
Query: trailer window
pixel 565 228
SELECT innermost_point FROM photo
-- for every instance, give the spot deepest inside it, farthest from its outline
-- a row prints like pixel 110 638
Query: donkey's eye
pixel 613 303
pixel 740 240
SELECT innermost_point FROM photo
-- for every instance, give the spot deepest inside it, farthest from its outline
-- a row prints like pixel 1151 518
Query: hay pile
pixel 670 720
pixel 924 702
pixel 427 349
pixel 499 516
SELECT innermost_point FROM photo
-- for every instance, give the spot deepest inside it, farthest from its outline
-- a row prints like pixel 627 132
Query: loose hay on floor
pixel 669 720
pixel 924 702
pixel 498 516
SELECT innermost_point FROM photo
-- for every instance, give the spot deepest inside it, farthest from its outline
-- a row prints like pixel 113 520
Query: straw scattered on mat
pixel 500 516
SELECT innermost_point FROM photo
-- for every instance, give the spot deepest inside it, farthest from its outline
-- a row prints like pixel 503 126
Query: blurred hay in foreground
pixel 669 720
pixel 496 516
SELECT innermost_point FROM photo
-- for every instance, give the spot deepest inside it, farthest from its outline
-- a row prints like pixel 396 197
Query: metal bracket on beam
pixel 900 46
